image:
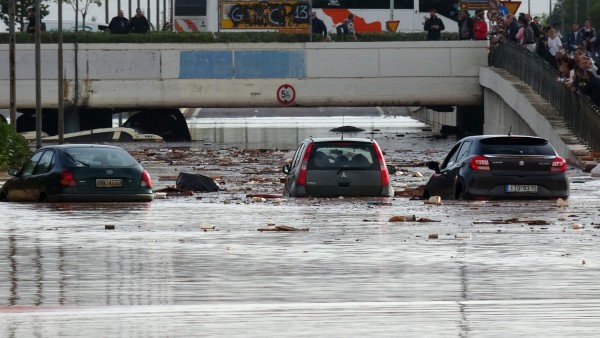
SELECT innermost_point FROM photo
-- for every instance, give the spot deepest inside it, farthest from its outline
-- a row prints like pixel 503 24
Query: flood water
pixel 478 269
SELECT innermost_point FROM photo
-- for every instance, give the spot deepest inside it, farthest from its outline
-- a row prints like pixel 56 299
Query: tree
pixel 21 11
pixel 83 7
pixel 570 8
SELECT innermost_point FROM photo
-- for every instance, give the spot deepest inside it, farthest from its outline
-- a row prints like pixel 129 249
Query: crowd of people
pixel 121 25
pixel 576 55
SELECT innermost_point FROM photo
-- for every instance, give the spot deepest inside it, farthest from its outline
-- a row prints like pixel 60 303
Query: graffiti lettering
pixel 265 15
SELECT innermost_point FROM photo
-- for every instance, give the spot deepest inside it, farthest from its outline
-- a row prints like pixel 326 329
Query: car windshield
pixel 516 146
pixel 99 157
pixel 332 155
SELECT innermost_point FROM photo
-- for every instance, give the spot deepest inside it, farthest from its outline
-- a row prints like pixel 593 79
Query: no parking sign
pixel 286 94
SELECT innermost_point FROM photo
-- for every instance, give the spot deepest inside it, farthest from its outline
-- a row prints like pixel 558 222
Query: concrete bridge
pixel 251 75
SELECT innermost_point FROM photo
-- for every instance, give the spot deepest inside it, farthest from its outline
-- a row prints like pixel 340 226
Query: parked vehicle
pixel 502 166
pixel 79 173
pixel 338 167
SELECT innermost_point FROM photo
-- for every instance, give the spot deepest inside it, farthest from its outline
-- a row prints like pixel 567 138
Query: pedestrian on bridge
pixel 119 24
pixel 318 28
pixel 434 26
pixel 139 23
pixel 465 26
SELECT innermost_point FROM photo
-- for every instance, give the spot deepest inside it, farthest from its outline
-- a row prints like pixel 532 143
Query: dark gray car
pixel 338 167
pixel 502 166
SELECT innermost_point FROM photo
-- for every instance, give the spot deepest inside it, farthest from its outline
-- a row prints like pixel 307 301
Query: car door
pixel 442 183
pixel 290 178
pixel 347 169
pixel 21 187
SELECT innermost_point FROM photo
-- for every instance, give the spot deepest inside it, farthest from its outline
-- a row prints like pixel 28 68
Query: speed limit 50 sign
pixel 286 94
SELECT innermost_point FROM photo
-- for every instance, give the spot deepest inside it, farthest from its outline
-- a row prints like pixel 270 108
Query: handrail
pixel 578 111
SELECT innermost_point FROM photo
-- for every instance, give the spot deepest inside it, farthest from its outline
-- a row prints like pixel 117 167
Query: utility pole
pixel 38 77
pixel 11 57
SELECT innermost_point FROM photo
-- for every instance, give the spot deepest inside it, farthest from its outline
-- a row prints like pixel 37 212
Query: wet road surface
pixel 467 269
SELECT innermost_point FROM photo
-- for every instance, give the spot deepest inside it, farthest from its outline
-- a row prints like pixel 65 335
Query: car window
pixel 516 146
pixel 298 155
pixel 45 164
pixel 30 165
pixel 99 157
pixel 451 157
pixel 332 155
pixel 464 151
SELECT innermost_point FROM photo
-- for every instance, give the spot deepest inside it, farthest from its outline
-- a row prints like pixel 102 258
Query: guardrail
pixel 578 111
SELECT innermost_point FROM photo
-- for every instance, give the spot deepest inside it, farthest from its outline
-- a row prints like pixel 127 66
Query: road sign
pixel 286 94
pixel 511 6
pixel 391 26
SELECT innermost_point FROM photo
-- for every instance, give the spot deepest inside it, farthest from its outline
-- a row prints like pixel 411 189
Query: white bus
pixel 69 25
pixel 287 15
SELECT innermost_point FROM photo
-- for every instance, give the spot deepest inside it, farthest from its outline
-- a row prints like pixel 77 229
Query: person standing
pixel 139 23
pixel 465 26
pixel 554 43
pixel 31 19
pixel 318 28
pixel 571 39
pixel 434 26
pixel 119 24
pixel 480 28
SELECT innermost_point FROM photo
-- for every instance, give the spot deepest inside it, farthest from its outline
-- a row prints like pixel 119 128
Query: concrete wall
pixel 251 75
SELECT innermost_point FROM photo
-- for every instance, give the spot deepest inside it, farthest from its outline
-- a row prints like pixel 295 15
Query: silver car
pixel 338 167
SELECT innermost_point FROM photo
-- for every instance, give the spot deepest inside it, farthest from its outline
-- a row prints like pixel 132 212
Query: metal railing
pixel 578 111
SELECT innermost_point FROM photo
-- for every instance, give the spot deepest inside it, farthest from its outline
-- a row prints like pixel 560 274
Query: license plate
pixel 526 188
pixel 108 182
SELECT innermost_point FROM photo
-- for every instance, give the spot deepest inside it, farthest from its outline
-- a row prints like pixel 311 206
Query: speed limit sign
pixel 286 94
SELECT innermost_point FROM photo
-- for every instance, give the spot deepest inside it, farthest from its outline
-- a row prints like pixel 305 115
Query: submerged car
pixel 79 173
pixel 324 167
pixel 499 166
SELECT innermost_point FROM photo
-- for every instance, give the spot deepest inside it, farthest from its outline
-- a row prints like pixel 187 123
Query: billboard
pixel 278 15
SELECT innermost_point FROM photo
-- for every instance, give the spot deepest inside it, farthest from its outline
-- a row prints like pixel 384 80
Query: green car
pixel 79 173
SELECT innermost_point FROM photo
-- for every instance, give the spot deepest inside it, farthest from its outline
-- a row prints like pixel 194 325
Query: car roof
pixel 483 137
pixel 75 145
pixel 338 139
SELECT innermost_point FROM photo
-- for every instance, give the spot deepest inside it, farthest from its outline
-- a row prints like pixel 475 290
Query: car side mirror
pixel 434 165
pixel 13 172
pixel 391 169
pixel 286 169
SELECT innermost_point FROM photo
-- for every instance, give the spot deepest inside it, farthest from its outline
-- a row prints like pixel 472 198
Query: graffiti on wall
pixel 287 15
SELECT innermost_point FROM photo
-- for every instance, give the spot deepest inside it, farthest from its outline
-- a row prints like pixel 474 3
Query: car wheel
pixel 3 198
pixel 461 194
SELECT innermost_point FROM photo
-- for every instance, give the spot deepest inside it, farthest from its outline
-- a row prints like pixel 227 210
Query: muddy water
pixel 476 269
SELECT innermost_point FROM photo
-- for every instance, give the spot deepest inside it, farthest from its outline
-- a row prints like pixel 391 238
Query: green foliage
pixel 565 10
pixel 206 37
pixel 21 11
pixel 14 149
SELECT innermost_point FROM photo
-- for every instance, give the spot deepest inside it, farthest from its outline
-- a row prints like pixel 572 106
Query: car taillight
pixel 302 174
pixel 480 162
pixel 385 175
pixel 67 179
pixel 559 164
pixel 146 181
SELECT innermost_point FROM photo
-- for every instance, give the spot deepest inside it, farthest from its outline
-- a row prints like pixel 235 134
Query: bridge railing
pixel 578 111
